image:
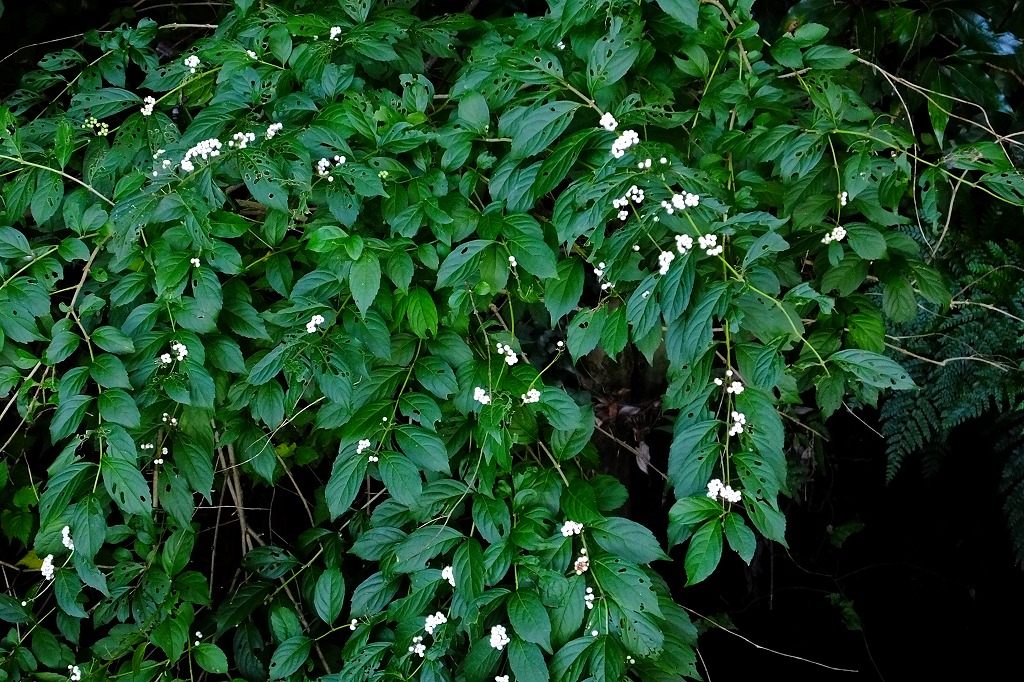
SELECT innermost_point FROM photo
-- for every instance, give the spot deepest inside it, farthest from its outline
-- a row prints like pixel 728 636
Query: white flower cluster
pixel 435 621
pixel 665 259
pixel 205 150
pixel 192 63
pixel 323 166
pixel 313 323
pixel 353 624
pixel 599 270
pixel 47 568
pixel 623 142
pixel 480 395
pixel 510 355
pixel 498 637
pixel 512 262
pixel 684 243
pixel 608 121
pixel 66 538
pixel 195 261
pixel 273 129
pixel 582 563
pixel 74 673
pixel 447 573
pixel 843 198
pixel 642 165
pixel 362 445
pixel 633 194
pixel 571 528
pixel 680 202
pixel 588 598
pixel 531 396
pixel 836 235
pixel 710 244
pixel 335 32
pixel 738 421
pixel 242 139
pixel 630 660
pixel 252 55
pixel 560 45
pixel 501 678
pixel 717 490
pixel 199 637
pixel 418 647
pixel 169 419
pixel 147 105
pixel 180 351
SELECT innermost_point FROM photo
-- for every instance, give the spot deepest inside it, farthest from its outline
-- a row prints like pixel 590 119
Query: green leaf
pixel 527 661
pixel 683 11
pixel 118 407
pixel 421 312
pixel 423 448
pixel 126 486
pixel 533 129
pixel 585 331
pixel 529 618
pixel 567 664
pixel 62 346
pixel 108 371
pixel 345 482
pixel 290 656
pixel 688 512
pixel 828 57
pixel 767 519
pixel 364 281
pixel 113 340
pixel 461 263
pixel 329 595
pixel 13 243
pixel 562 292
pixel 704 552
pixel 866 241
pixel 401 477
pixel 873 369
pixel 48 195
pixel 898 300
pixel 740 538
pixel 269 366
pixel 628 539
pixel 67 587
pixel 211 658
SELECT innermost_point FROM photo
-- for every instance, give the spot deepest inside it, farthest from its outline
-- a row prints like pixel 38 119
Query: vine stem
pixel 58 172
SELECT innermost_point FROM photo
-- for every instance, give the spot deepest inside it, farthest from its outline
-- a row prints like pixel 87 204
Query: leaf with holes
pixel 126 486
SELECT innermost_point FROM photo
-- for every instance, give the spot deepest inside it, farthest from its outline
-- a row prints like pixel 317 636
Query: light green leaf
pixel 704 552
pixel 211 658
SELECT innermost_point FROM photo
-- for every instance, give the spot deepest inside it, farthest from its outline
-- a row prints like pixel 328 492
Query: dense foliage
pixel 318 291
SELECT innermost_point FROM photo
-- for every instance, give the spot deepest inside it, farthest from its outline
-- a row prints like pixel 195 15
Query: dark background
pixel 930 577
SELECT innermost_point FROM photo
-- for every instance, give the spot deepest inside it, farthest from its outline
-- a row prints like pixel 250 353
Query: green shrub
pixel 321 297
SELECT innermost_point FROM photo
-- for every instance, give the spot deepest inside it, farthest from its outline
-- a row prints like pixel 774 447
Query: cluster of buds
pixel 313 323
pixel 680 202
pixel 199 637
pixel 74 673
pixel 435 621
pixel 335 32
pixel 195 261
pixel 843 198
pixel 168 419
pixel 242 139
pixel 643 165
pixel 66 538
pixel 499 638
pixel 836 235
pixel 362 445
pixel 480 395
pixel 571 528
pixel 323 166
pixel 205 150
pixel 710 244
pixel 510 355
pixel 512 262
pixel 531 396
pixel 418 647
pixel 582 563
pixel 607 121
pixel 665 259
pixel 273 129
pixel 684 243
pixel 93 124
pixel 716 490
pixel 623 142
pixel 634 194
pixel 588 598
pixel 147 105
pixel 447 573
pixel 738 421
pixel 47 568
pixel 192 63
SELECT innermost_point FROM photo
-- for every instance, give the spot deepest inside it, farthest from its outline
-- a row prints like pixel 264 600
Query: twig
pixel 953 304
pixel 618 441
pixel 949 214
pixel 773 651
pixel 943 363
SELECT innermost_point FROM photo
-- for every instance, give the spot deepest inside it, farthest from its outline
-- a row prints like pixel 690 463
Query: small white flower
pixel 843 198
pixel 636 247
pixel 147 106
pixel 837 234
pixel 418 648
pixel 498 637
pixel 272 130
pixel 195 262
pixel 434 621
pixel 447 573
pixel 480 395
pixel 626 140
pixel 560 344
pixel 663 160
pixel 665 259
pixel 735 388
pixel 362 445
pixel 588 598
pixel 531 396
pixel 512 262
pixel 684 243
pixel 608 121
pixel 252 55
pixel 74 673
pixel 501 678
pixel 47 568
pixel 335 32
pixel 166 358
pixel 205 150
pixel 180 350
pixel 353 624
pixel 571 528
pixel 582 564
pixel 66 538
pixel 192 63
pixel 560 45
pixel 593 633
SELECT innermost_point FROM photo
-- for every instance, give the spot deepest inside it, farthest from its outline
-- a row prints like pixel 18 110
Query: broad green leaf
pixel 126 486
pixel 117 406
pixel 529 618
pixel 423 448
pixel 401 477
pixel 113 340
pixel 290 656
pixel 740 538
pixel 329 595
pixel 704 552
pixel 873 369
pixel 628 539
pixel 364 281
pixel 211 658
